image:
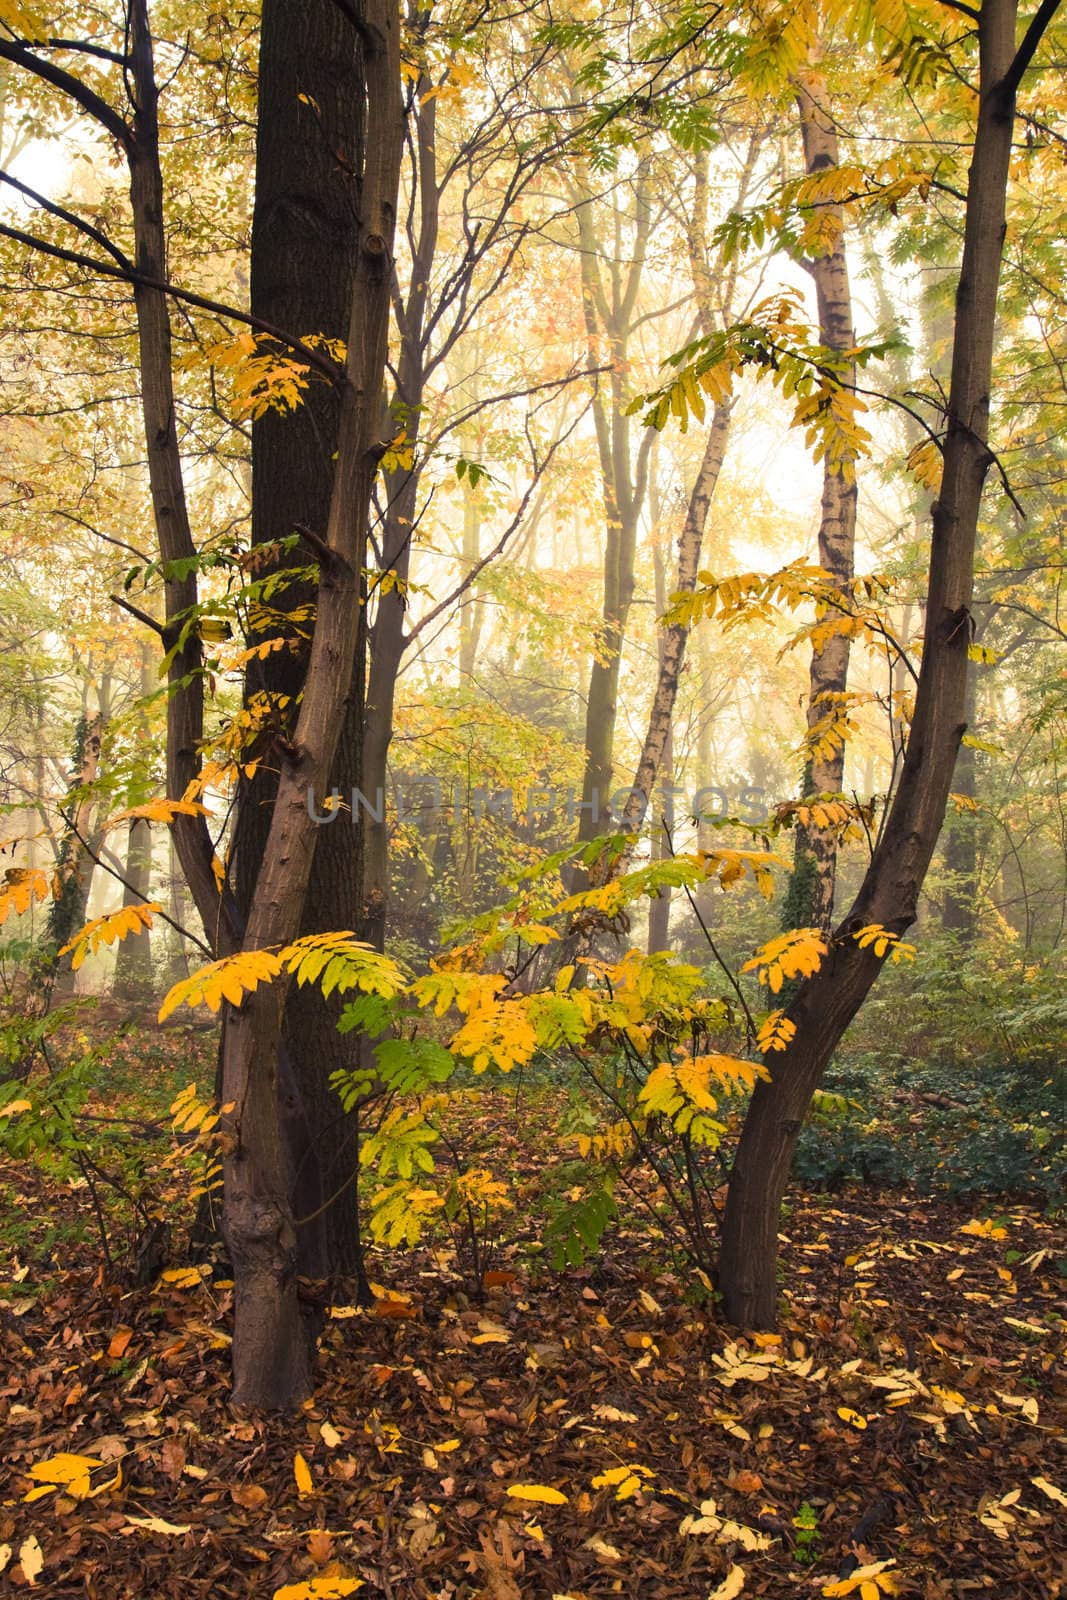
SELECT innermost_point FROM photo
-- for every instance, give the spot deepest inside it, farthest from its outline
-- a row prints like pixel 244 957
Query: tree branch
pixel 141 280
pixel 68 84
pixel 1031 39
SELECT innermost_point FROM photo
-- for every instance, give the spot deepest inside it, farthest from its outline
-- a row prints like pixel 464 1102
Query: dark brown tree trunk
pixel 826 1003
pixel 272 1352
pixel 309 146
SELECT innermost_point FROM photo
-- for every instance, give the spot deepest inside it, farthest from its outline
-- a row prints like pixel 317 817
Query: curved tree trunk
pixel 827 1002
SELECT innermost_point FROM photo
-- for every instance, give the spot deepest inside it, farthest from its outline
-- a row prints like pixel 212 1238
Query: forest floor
pixel 582 1434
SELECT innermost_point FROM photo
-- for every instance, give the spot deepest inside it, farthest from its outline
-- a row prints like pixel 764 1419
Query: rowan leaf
pixel 305 1484
pixel 542 1493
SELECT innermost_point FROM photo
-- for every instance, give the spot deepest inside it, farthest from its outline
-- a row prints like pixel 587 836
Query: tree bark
pixel 826 1003
pixel 815 848
pixel 608 309
pixel 309 146
pixel 272 1353
pixel 133 959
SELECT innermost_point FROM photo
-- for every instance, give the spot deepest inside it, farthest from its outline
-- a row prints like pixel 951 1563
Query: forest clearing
pixel 533 831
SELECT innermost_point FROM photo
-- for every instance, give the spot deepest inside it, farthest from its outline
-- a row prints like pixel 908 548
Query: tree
pixel 826 1002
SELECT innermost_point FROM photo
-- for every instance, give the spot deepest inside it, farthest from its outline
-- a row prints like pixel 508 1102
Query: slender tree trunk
pixel 815 848
pixel 133 959
pixel 388 636
pixel 185 684
pixel 659 905
pixel 959 914
pixel 827 1002
pixel 608 308
pixel 74 869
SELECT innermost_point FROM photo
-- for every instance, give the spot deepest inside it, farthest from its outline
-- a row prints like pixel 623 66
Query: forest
pixel 533 820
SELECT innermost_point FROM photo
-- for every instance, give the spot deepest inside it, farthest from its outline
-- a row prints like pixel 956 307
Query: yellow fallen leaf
pixel 71 1474
pixel 537 1491
pixel 318 1589
pixel 182 1277
pixel 853 1418
pixel 329 1436
pixel 869 1582
pixel 5 1556
pixel 1054 1494
pixel 730 1586
pixel 302 1473
pixel 31 1559
pixel 157 1525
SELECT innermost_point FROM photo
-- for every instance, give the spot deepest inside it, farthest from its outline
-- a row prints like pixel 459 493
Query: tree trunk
pixel 827 1002
pixel 309 144
pixel 388 637
pixel 74 868
pixel 272 1352
pixel 815 849
pixel 608 308
pixel 959 914
pixel 133 959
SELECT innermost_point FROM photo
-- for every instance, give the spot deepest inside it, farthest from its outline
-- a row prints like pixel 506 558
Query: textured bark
pixel 827 1002
pixel 308 154
pixel 815 859
pixel 272 1354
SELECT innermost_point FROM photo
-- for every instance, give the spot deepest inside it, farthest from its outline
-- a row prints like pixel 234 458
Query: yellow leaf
pixel 329 1436
pixel 540 1492
pixel 31 1559
pixel 1050 1489
pixel 302 1473
pixel 318 1589
pixel 13 1108
pixel 986 1229
pixel 853 1418
pixel 71 1474
pixel 21 886
pixel 874 1576
pixel 157 1525
pixel 182 1277
pixel 730 1586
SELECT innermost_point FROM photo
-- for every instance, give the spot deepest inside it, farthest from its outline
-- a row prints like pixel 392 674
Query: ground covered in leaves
pixel 586 1434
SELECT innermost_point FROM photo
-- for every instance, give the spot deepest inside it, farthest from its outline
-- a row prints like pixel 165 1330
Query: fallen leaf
pixel 305 1484
pixel 537 1491
pixel 157 1525
pixel 318 1589
pixel 31 1559
pixel 730 1586
pixel 320 1546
